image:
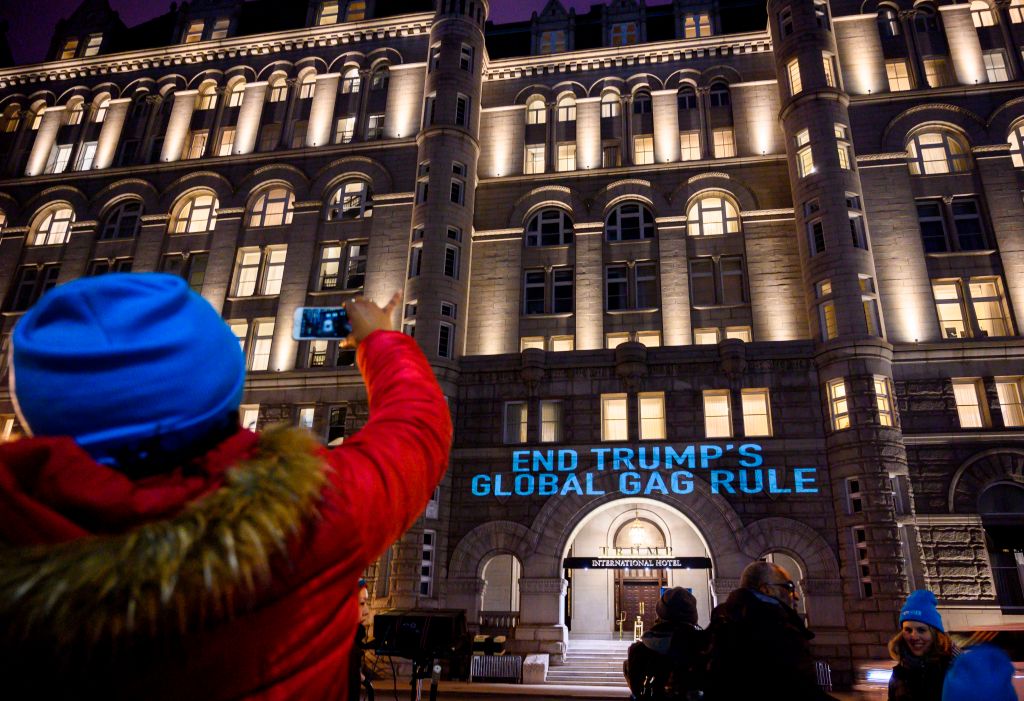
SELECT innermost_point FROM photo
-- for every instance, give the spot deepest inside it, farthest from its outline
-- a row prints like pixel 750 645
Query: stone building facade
pixel 703 282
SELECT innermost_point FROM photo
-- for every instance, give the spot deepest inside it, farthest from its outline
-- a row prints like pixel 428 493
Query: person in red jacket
pixel 151 549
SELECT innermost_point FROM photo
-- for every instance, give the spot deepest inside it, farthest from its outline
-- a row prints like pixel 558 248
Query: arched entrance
pixel 623 555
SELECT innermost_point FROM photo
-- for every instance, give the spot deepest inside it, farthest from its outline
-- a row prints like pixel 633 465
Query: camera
pixel 321 324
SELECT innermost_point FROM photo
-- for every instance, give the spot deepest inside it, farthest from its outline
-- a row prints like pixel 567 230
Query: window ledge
pixel 553 315
pixel 953 254
pixel 623 241
pixel 620 312
pixel 337 291
pixel 238 299
pixel 719 306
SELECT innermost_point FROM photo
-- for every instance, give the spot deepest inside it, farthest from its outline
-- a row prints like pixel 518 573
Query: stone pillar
pixel 248 127
pixel 542 617
pixel 964 45
pixel 46 136
pixel 110 132
pixel 220 265
pixel 588 133
pixel 300 259
pixel 589 276
pixel 150 243
pixel 666 126
pixel 321 112
pixel 755 117
pixel 675 282
pixel 707 145
pixel 76 251
pixel 860 54
pixel 466 593
pixel 1007 212
pixel 503 141
pixel 405 101
pixel 1013 57
pixel 177 126
pixel 906 18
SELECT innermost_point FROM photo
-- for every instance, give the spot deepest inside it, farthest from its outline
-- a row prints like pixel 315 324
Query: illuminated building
pixel 637 238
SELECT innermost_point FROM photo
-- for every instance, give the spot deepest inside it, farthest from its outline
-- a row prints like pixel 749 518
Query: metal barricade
pixel 824 673
pixel 496 668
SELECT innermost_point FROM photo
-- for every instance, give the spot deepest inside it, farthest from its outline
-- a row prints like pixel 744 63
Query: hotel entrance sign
pixel 636 563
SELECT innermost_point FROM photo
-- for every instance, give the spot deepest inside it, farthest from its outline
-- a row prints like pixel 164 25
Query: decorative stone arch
pixel 796 539
pixel 576 88
pixel 267 72
pixel 79 91
pixel 547 196
pixel 1004 117
pixel 10 207
pixel 527 93
pixel 275 173
pixel 190 182
pixel 121 190
pixel 699 185
pixel 260 188
pixel 74 197
pixel 385 55
pixel 871 7
pixel 599 87
pixel 212 74
pixel 20 99
pixel 316 63
pixel 113 90
pixel 683 77
pixel 465 570
pixel 964 121
pixel 246 72
pixel 720 73
pixel 979 472
pixel 632 188
pixel 173 81
pixel 640 81
pixel 349 59
pixel 147 85
pixel 328 177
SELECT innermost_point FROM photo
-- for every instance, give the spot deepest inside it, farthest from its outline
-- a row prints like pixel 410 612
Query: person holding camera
pixel 149 547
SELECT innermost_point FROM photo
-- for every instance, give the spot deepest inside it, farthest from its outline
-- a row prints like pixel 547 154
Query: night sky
pixel 31 22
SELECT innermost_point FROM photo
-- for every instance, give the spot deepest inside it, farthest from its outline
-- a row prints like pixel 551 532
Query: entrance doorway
pixel 637 590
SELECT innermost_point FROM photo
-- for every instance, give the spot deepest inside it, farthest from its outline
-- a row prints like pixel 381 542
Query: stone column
pixel 405 101
pixel 110 132
pixel 300 259
pixel 675 282
pixel 46 136
pixel 220 266
pixel 860 54
pixel 249 115
pixel 177 126
pixel 666 126
pixel 707 146
pixel 466 593
pixel 906 18
pixel 588 133
pixel 542 617
pixel 321 112
pixel 76 250
pixel 1004 203
pixel 1013 57
pixel 150 243
pixel 288 124
pixel 590 277
pixel 964 45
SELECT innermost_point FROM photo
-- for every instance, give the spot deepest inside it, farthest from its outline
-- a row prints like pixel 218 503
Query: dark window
pixel 642 103
pixel 933 227
pixel 336 426
pixel 970 233
pixel 687 99
pixel 720 95
pixel 123 222
pixel 549 227
pixel 31 283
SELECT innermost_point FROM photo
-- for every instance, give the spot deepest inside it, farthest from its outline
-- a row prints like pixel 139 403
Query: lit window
pixel 566 108
pixel 10 120
pixel 515 422
pixel 236 93
pixel 629 221
pixel 723 141
pixel 74 113
pixel 54 228
pixel 936 72
pixel 274 207
pixel 536 111
pixel 650 339
pixel 623 33
pixel 968 394
pixel 226 141
pixel 829 325
pixel 195 145
pixel 610 106
pixel 1016 141
pixel 328 13
pixel 795 84
pixel 1010 391
pixel 196 215
pixel 982 14
pixel 248 416
pixel 278 90
pixel 86 155
pixel 757 419
pixel 350 81
pixel 550 421
pixel 839 408
pixel 123 222
pixel 69 49
pixel 995 66
pixel 531 342
pixel 194 32
pixel 698 25
pixel 705 337
pixel 356 10
pixel 207 97
pixel 989 307
pixel 220 28
pixel 937 152
pixel 883 399
pixel 843 150
pixel 614 418
pixel 1016 11
pixel 552 42
pixel 101 107
pixel 804 156
pixel 262 339
pixel 712 216
pixel 898 74
pixel 643 150
pixel 689 146
pixel 741 333
pixel 330 265
pixel 307 85
pixel 717 414
pixel 427 551
pixel 345 130
pixel 375 126
pixel 616 339
pixel 350 200
pixel 567 157
pixel 652 416
pixel 950 309
pixel 307 413
pixel 828 62
pixel 534 159
pixel 379 78
pixel 549 227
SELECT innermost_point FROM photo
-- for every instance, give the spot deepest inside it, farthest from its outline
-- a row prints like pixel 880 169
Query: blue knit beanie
pixel 125 360
pixel 921 606
pixel 983 672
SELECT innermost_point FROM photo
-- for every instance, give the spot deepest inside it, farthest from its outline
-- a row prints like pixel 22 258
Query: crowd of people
pixel 757 647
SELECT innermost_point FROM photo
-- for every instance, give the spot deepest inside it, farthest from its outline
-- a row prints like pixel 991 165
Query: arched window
pixel 536 110
pixel 1016 11
pixel 719 95
pixel 1002 498
pixel 123 222
pixel 307 84
pixel 712 216
pixel 3 220
pixel 278 89
pixel 610 104
pixel 10 120
pixel 53 227
pixel 500 600
pixel 629 221
pixel 350 81
pixel 273 207
pixel 236 93
pixel 937 151
pixel 982 14
pixel 549 227
pixel 197 214
pixel 350 200
pixel 207 97
pixel 567 108
pixel 926 20
pixel 1016 141
pixel 379 78
pixel 102 104
pixel 687 98
pixel 642 102
pixel 36 114
pixel 74 111
pixel 888 21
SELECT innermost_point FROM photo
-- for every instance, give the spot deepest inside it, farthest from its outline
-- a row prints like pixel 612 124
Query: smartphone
pixel 321 324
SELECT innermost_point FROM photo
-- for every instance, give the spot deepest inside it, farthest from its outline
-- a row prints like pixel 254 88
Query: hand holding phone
pixel 321 324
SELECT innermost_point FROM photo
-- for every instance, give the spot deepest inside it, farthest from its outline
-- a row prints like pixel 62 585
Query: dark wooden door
pixel 633 593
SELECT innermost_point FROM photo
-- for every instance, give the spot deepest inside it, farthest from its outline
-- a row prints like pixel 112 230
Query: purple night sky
pixel 32 23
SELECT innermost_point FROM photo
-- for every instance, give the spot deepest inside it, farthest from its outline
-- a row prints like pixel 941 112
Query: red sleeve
pixel 385 474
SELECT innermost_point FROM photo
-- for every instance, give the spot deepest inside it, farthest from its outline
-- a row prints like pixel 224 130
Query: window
pixel 689 146
pixel 785 22
pixel 566 108
pixel 698 25
pixel 196 144
pixel 567 156
pixel 337 418
pixel 686 100
pixel 427 563
pixel 620 295
pixel 827 322
pixel 757 419
pixel 194 32
pixel 531 342
pixel 207 98
pixel 642 103
pixel 534 159
pixel 451 261
pixel 968 393
pixel 415 260
pixel 629 221
pixel 1010 391
pixel 858 233
pixel 435 57
pixel 102 266
pixel 552 42
pixel 274 207
pixel 652 416
pixel 869 301
pixel 299 133
pixel 350 82
pixel 839 408
pixel 350 200
pixel 970 233
pixel 454 233
pixel 860 547
pixel 241 330
pixel 717 414
pixel 101 106
pixel 982 14
pixel 610 155
pixel 462 110
pixel 345 130
pixel 548 292
pixel 883 400
pixel 54 228
pixel 821 14
pixel 643 150
pixel 649 339
pixel 623 33
pixel 888 21
pixel 379 78
pixel 59 158
pixel 995 66
pixel 191 267
pixel 709 289
pixel 898 73
pixel 795 84
pixel 723 141
pixel 950 309
pixel 196 215
pixel 270 137
pixel 1016 141
pixel 536 111
pixel 356 10
pixel 562 343
pixel 816 237
pixel 804 156
pixel 515 422
pixel 307 85
pixel 1016 11
pixel 989 307
pixel 614 418
pixel 457 194
pixel 828 63
pixel 306 416
pixel 740 333
pixel 550 421
pixel 262 339
pixel 74 115
pixel 936 72
pixel 712 216
pixel 610 105
pixel 422 181
pixel 854 497
pixel 330 265
pixel 220 28
pixel 549 227
pixel 261 269
pixel 86 155
pixel 123 222
pixel 69 49
pixel 445 339
pixel 375 127
pixel 248 416
pixel 10 120
pixel 932 224
pixel 466 58
pixel 31 283
pixel 843 150
pixel 615 339
pixel 355 265
pixel 719 95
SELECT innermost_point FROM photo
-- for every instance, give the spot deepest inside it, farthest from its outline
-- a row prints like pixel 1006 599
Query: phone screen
pixel 321 323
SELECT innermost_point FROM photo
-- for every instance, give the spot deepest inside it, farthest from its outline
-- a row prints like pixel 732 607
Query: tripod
pixel 425 668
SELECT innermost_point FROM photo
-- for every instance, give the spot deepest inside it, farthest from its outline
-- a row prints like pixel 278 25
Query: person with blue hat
pixel 982 672
pixel 151 547
pixel 922 650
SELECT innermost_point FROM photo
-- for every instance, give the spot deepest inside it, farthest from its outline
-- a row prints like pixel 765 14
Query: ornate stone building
pixel 703 282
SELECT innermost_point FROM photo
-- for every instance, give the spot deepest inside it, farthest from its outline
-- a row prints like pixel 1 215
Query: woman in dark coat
pixel 922 650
